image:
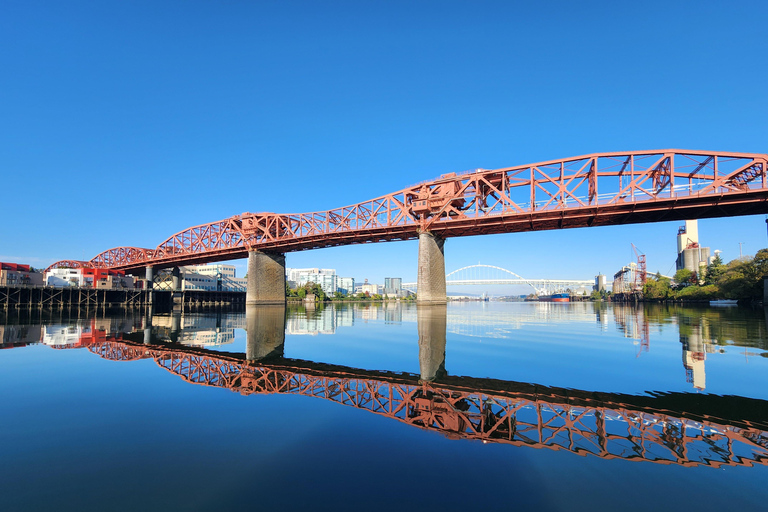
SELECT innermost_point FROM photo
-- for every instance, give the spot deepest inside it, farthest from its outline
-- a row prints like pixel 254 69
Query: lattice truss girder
pixel 606 432
pixel 587 182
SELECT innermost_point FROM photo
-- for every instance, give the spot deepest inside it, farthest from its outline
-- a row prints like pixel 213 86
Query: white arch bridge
pixel 491 275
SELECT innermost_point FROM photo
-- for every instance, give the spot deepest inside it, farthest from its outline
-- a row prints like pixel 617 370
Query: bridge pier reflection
pixel 265 329
pixel 432 321
pixel 175 325
pixel 150 311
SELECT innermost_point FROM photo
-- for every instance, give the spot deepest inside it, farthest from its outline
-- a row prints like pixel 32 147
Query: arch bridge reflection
pixel 671 428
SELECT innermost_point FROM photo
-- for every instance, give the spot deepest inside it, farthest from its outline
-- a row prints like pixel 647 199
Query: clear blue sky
pixel 122 123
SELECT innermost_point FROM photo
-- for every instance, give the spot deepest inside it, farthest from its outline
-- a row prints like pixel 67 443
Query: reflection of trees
pixel 721 326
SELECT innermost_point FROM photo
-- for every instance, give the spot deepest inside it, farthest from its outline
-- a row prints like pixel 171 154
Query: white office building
pixel 325 277
pixel 213 269
pixel 345 285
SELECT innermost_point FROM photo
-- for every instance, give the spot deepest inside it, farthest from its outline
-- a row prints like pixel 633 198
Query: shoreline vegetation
pixel 740 279
pixel 306 292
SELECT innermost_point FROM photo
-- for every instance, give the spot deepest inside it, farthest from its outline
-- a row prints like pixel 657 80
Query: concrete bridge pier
pixel 176 279
pixel 431 321
pixel 266 278
pixel 150 276
pixel 431 272
pixel 265 331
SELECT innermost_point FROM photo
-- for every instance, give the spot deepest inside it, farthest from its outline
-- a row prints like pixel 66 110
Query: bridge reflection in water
pixel 667 428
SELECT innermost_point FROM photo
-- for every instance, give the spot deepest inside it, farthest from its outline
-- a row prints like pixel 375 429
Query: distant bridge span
pixel 592 190
pixel 492 275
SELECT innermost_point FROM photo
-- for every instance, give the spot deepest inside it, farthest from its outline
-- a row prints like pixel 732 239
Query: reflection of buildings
pixel 19 335
pixel 85 332
pixel 696 344
pixel 631 321
pixel 319 321
pixel 199 330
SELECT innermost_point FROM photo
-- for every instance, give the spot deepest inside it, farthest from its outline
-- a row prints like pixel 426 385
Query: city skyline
pixel 128 123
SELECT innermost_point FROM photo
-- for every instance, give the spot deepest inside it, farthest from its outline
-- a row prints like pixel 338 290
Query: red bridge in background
pixel 593 190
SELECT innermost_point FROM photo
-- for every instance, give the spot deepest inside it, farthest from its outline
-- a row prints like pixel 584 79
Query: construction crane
pixel 641 274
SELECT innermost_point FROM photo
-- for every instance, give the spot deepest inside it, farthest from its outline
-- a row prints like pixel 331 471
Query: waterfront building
pixel 213 269
pixel 325 277
pixel 214 277
pixel 17 274
pixel 101 278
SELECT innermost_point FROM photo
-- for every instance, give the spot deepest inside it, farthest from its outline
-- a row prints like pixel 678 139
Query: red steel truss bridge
pixel 674 428
pixel 591 190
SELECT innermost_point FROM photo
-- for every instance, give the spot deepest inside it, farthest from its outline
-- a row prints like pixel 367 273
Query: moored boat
pixel 724 302
pixel 555 297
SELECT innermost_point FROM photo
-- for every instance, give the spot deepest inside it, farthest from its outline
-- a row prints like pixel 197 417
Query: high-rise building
pixel 393 285
pixel 325 277
pixel 345 285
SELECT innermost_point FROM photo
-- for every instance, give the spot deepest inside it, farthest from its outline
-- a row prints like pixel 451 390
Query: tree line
pixel 739 279
pixel 315 289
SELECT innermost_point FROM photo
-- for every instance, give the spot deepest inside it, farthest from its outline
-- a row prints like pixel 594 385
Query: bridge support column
pixel 265 331
pixel 431 273
pixel 150 275
pixel 266 278
pixel 431 321
pixel 176 277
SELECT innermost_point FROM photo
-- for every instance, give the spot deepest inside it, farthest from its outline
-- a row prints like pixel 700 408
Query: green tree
pixel 714 271
pixel 657 287
pixel 685 277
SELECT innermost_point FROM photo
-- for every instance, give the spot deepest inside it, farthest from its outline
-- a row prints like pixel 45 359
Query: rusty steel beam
pixel 605 425
pixel 585 191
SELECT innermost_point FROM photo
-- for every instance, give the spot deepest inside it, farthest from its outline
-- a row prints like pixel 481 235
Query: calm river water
pixel 473 406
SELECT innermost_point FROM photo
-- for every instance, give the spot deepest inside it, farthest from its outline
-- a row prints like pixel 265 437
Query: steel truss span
pixel 592 190
pixel 570 420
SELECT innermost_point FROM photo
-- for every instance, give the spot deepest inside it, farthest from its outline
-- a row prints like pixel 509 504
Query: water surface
pixel 541 406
